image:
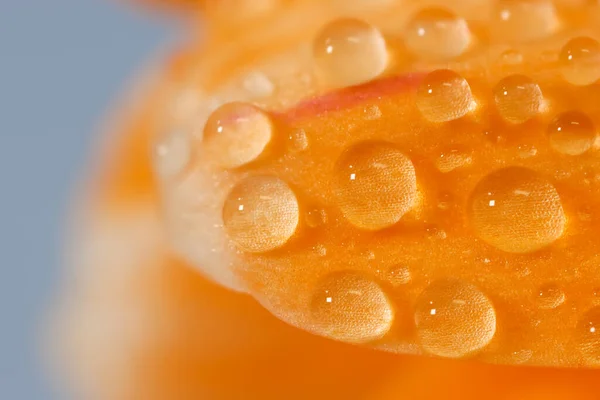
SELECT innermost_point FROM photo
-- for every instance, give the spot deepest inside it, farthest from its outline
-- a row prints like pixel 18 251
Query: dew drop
pixel 372 112
pixel 450 160
pixel 350 52
pixel 580 61
pixel 352 308
pixel 297 140
pixel 454 319
pixel 376 185
pixel 320 250
pixel 316 217
pixel 510 59
pixel 549 296
pixel 399 275
pixel 437 34
pixel 260 214
pixel 172 153
pixel 588 336
pixel 572 133
pixel 258 84
pixel 444 96
pixel 524 20
pixel 518 98
pixel 237 134
pixel 516 210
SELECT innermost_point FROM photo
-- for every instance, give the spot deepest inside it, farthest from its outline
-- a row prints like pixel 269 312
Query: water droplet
pixel 316 217
pixel 298 141
pixel 572 133
pixel 451 160
pixel 172 153
pixel 588 335
pixel 445 201
pixel 580 61
pixel 525 151
pixel 261 213
pixel 444 96
pixel 399 275
pixel 524 20
pixel 438 34
pixel 454 319
pixel 351 308
pixel 516 210
pixel 550 296
pixel 349 52
pixel 372 112
pixel 258 84
pixel 510 59
pixel 237 134
pixel 376 185
pixel 320 250
pixel 518 98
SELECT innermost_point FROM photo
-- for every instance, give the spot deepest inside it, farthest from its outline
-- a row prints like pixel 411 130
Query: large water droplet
pixel 444 96
pixel 376 185
pixel 261 213
pixel 454 319
pixel 572 133
pixel 524 20
pixel 349 52
pixel 351 308
pixel 516 210
pixel 518 98
pixel 436 33
pixel 588 336
pixel 237 134
pixel 549 296
pixel 580 61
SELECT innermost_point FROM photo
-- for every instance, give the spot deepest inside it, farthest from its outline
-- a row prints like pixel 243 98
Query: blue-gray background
pixel 61 64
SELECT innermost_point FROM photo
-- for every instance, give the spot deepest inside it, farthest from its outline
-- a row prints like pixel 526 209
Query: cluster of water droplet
pixel 251 159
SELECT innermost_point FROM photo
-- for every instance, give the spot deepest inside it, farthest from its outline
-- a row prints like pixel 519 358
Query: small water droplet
pixel 524 20
pixel 510 59
pixel 172 153
pixel 320 250
pixel 260 214
pixel 297 140
pixel 437 34
pixel 572 133
pixel 258 84
pixel 349 52
pixel 237 134
pixel 580 61
pixel 372 112
pixel 454 319
pixel 452 159
pixel 352 308
pixel 316 217
pixel 550 296
pixel 518 98
pixel 516 210
pixel 399 275
pixel 525 151
pixel 444 96
pixel 588 336
pixel 363 173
